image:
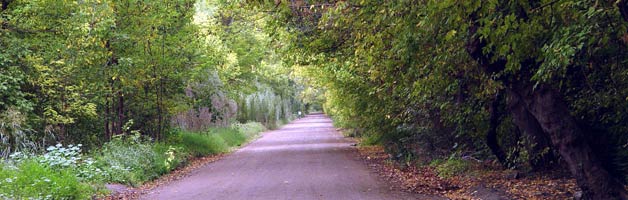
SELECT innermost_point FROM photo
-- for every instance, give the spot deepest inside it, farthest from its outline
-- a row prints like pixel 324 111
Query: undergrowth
pixel 450 167
pixel 64 172
pixel 32 179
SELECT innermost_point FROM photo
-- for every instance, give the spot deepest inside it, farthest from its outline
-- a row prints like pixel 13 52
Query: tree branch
pixel 544 5
pixel 5 4
pixel 623 9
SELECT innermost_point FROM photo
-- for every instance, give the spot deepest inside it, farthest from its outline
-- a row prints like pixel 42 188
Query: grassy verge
pixel 63 172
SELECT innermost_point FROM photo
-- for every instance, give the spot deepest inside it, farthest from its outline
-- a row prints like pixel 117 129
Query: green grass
pixel 232 137
pixel 130 160
pixel 250 129
pixel 31 179
pixel 370 139
pixel 219 139
pixel 202 144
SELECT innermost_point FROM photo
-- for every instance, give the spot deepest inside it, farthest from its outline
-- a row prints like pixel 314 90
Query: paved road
pixel 306 159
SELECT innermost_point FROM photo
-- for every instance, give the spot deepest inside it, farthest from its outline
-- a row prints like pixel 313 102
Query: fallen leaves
pixel 482 182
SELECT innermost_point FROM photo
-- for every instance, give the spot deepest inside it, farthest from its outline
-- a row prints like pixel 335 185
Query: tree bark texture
pixel 120 112
pixel 623 9
pixel 546 106
pixel 5 4
pixel 491 135
pixel 550 110
pixel 539 141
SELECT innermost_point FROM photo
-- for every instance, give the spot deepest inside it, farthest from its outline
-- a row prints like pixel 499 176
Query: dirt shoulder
pixel 479 182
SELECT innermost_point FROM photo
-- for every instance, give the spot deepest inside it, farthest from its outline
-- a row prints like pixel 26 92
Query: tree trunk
pixel 159 112
pixel 109 97
pixel 623 9
pixel 550 110
pixel 5 4
pixel 539 140
pixel 491 135
pixel 120 112
pixel 107 118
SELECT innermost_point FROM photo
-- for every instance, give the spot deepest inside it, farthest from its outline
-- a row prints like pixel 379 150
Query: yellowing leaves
pixel 451 34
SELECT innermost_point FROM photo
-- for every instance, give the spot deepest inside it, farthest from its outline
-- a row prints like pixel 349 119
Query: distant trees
pixel 471 77
pixel 84 71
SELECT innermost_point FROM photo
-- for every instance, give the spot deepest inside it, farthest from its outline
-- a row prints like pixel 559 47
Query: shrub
pixel 170 157
pixel 70 157
pixel 130 161
pixel 32 179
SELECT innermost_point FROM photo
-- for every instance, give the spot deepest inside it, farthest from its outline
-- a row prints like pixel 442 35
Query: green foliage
pixel 77 72
pixel 130 161
pixel 63 172
pixel 249 129
pixel 202 144
pixel 169 156
pixel 404 69
pixel 31 179
pixel 113 75
pixel 219 139
pixel 371 139
pixel 231 136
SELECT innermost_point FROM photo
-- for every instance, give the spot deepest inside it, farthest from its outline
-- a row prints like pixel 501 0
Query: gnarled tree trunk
pixel 539 140
pixel 491 135
pixel 546 106
pixel 550 110
pixel 623 9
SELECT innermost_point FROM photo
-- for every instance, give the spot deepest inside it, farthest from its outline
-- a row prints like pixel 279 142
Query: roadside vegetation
pixel 95 92
pixel 534 86
pixel 447 87
pixel 65 172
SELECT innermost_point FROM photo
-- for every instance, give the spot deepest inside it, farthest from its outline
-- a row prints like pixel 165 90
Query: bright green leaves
pixel 558 55
pixel 11 96
pixel 242 65
pixel 49 31
pixel 69 58
pixel 430 68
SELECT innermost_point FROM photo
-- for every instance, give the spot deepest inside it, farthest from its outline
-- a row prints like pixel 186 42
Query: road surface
pixel 306 159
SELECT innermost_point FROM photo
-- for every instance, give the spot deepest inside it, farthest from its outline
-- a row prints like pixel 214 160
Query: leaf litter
pixel 482 181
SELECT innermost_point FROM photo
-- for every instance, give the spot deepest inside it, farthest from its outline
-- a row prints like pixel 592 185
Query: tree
pixel 400 68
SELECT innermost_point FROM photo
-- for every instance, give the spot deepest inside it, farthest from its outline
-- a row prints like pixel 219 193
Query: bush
pixel 63 172
pixel 171 156
pixel 130 161
pixel 70 157
pixel 32 179
pixel 201 144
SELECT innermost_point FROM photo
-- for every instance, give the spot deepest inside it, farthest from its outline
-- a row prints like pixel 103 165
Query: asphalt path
pixel 306 159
